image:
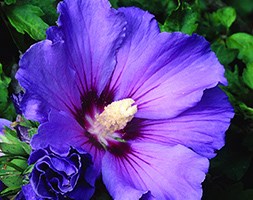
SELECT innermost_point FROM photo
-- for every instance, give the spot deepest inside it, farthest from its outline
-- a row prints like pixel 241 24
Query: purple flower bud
pixel 60 175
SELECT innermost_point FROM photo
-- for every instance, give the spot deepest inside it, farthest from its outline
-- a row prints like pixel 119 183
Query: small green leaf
pixel 224 54
pixel 18 164
pixel 247 111
pixel 183 19
pixel 248 75
pixel 12 145
pixel 12 178
pixel 225 16
pixel 236 85
pixel 29 169
pixel 10 191
pixel 10 136
pixel 244 43
pixel 26 148
pixel 27 18
pixel 12 149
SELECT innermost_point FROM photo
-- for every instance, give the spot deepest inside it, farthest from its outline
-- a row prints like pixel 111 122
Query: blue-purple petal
pixel 168 172
pixel 165 73
pixel 49 81
pixel 93 32
pixel 201 128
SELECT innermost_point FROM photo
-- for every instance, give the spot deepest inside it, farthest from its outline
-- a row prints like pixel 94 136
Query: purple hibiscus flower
pixel 146 105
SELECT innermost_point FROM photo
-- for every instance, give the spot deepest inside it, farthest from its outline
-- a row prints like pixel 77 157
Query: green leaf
pixel 10 191
pixel 12 149
pixel 244 43
pixel 18 164
pixel 224 16
pixel 172 6
pixel 10 136
pixel 239 94
pixel 247 111
pixel 248 75
pixel 11 178
pixel 12 145
pixel 235 83
pixel 27 18
pixel 7 110
pixel 114 3
pixel 183 19
pixel 49 9
pixel 224 54
pixel 4 83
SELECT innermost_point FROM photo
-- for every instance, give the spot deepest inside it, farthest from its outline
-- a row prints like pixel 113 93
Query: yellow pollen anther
pixel 116 115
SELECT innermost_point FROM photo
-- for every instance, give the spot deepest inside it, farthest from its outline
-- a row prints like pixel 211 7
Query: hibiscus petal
pixel 61 132
pixel 168 172
pixel 82 192
pixel 62 165
pixel 28 193
pixel 201 128
pixel 49 82
pixel 92 32
pixel 165 73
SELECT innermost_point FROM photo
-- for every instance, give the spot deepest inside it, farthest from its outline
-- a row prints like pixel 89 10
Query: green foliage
pixel 224 16
pixel 31 126
pixel 248 75
pixel 4 84
pixel 13 162
pixel 28 16
pixel 224 54
pixel 183 19
pixel 6 108
pixel 244 43
pixel 49 9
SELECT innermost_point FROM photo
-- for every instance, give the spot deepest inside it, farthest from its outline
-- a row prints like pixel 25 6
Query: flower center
pixel 114 118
